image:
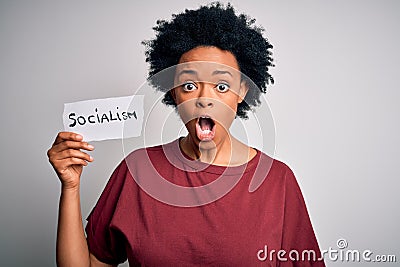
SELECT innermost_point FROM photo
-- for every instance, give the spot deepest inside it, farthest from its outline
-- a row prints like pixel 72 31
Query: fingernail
pixel 91 158
pixel 78 136
pixel 90 147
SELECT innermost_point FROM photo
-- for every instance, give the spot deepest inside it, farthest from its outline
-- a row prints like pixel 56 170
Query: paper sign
pixel 108 118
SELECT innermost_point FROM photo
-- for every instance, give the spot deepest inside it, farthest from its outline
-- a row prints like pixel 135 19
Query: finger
pixel 64 164
pixel 73 153
pixel 71 145
pixel 63 136
pixel 53 152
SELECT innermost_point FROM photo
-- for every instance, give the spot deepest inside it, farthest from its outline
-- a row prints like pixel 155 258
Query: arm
pixel 68 160
pixel 298 233
pixel 72 249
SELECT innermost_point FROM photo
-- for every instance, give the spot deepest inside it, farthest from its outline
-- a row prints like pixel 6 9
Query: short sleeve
pixel 105 242
pixel 298 237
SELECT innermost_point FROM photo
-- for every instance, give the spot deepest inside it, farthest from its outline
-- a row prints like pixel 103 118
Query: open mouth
pixel 205 128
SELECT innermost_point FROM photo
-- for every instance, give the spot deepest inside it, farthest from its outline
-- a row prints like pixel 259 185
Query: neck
pixel 227 152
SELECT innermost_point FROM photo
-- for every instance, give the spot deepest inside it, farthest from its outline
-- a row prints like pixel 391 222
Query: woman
pixel 243 208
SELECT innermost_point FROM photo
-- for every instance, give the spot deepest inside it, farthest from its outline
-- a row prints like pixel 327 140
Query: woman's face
pixel 207 90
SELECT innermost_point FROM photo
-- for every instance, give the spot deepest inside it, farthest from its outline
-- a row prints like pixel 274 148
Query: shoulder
pixel 144 153
pixel 275 171
pixel 134 158
pixel 291 185
pixel 276 167
pixel 157 153
pixel 281 167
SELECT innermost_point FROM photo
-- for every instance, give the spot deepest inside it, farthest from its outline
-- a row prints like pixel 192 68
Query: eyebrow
pixel 187 72
pixel 193 72
pixel 216 72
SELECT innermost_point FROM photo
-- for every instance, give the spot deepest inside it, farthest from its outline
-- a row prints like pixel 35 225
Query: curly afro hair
pixel 218 26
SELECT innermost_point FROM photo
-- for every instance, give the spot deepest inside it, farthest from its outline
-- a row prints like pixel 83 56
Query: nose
pixel 202 102
pixel 204 99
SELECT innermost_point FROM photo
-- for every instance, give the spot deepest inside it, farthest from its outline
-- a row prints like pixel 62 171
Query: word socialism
pixel 100 117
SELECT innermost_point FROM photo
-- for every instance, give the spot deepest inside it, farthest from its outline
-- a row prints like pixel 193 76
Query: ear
pixel 244 88
pixel 172 92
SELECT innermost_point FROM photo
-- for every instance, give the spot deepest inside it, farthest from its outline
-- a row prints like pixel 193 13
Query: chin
pixel 207 145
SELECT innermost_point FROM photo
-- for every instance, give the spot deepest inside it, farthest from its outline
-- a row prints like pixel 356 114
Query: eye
pixel 222 87
pixel 189 86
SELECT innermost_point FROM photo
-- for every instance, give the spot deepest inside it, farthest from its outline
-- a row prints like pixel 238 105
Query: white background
pixel 335 105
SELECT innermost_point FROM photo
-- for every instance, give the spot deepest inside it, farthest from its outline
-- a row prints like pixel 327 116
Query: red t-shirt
pixel 143 218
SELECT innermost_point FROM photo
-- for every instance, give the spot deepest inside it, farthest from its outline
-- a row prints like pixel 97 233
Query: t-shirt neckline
pixel 173 149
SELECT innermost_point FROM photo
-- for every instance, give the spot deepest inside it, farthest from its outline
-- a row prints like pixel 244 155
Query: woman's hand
pixel 67 159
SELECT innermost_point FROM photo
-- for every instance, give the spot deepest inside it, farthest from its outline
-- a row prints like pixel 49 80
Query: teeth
pixel 205 117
